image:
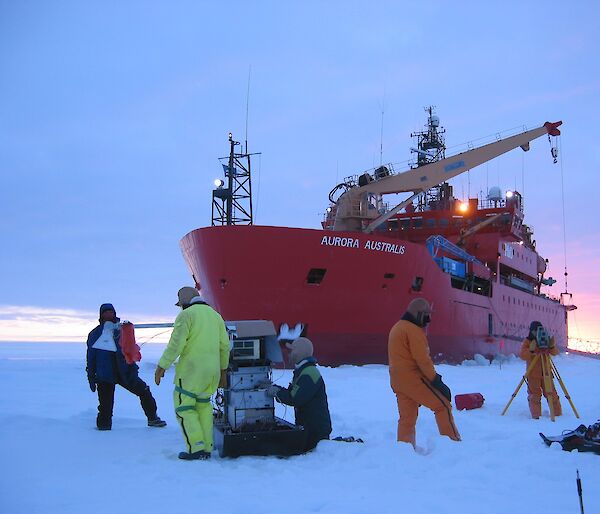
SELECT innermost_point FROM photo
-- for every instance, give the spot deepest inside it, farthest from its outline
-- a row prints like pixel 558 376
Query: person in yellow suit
pixel 200 340
pixel 413 377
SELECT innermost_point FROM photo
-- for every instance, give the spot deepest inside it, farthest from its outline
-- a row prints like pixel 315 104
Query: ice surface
pixel 54 460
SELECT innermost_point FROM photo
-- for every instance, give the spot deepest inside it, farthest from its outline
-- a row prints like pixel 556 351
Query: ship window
pixel 404 223
pixel 430 222
pixel 417 284
pixel 443 222
pixel 388 275
pixel 418 222
pixel 315 275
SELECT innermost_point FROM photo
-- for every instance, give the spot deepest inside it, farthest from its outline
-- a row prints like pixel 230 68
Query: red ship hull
pixel 363 285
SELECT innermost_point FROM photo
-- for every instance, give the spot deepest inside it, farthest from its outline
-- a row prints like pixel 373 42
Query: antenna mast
pixel 381 139
pixel 247 103
pixel 232 205
pixel 431 147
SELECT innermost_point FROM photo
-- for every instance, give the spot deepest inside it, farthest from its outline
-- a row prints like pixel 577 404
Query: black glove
pixel 441 387
pixel 92 383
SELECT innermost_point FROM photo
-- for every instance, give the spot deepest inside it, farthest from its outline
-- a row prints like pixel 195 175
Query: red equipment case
pixel 468 401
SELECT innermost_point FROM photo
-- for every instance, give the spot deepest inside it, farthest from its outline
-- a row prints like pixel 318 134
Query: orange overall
pixel 535 381
pixel 411 373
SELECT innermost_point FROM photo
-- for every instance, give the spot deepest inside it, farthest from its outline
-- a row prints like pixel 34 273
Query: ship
pixel 346 284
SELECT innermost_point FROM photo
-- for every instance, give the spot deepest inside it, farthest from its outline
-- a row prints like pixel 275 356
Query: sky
pixel 113 116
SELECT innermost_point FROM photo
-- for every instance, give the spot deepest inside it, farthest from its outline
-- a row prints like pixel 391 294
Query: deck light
pixel 219 183
pixel 509 194
pixel 463 206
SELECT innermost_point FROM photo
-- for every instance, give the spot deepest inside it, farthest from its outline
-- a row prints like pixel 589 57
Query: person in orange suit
pixel 413 377
pixel 529 349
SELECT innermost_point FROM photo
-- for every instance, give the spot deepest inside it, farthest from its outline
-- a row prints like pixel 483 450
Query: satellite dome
pixel 434 120
pixel 494 193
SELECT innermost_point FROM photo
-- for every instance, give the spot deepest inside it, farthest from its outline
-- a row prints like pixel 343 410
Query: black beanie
pixel 107 307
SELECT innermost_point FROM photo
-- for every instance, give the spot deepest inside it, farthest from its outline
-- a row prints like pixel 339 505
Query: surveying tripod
pixel 549 371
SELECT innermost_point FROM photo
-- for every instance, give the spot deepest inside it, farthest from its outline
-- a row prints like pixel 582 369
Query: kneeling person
pixel 306 394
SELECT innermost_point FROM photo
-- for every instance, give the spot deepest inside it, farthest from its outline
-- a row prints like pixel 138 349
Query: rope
pixel 155 335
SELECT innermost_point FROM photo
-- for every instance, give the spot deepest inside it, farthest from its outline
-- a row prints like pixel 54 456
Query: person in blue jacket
pixel 306 393
pixel 106 367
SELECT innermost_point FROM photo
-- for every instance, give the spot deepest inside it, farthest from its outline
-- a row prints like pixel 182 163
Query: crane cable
pixel 562 183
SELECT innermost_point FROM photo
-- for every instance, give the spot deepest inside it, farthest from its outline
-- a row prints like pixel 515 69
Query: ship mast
pixel 431 147
pixel 232 205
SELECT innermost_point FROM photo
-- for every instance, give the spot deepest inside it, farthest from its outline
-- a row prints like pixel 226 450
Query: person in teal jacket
pixel 200 340
pixel 306 393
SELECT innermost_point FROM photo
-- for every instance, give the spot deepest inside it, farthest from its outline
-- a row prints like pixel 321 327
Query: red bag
pixel 468 401
pixel 131 351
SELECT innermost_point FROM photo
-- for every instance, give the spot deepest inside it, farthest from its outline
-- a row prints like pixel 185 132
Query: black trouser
pixel 106 399
pixel 313 438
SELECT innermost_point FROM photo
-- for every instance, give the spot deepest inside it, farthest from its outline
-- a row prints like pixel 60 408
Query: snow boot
pixel 157 422
pixel 199 455
pixel 102 423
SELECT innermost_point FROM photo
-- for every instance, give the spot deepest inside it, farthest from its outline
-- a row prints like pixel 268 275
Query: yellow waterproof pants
pixel 195 415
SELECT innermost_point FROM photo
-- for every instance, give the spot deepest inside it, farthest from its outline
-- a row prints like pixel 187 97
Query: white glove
pixel 272 390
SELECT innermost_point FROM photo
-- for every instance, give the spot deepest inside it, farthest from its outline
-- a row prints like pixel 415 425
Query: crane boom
pixel 350 211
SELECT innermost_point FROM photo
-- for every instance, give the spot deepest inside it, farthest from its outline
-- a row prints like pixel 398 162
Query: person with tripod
pixel 536 343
